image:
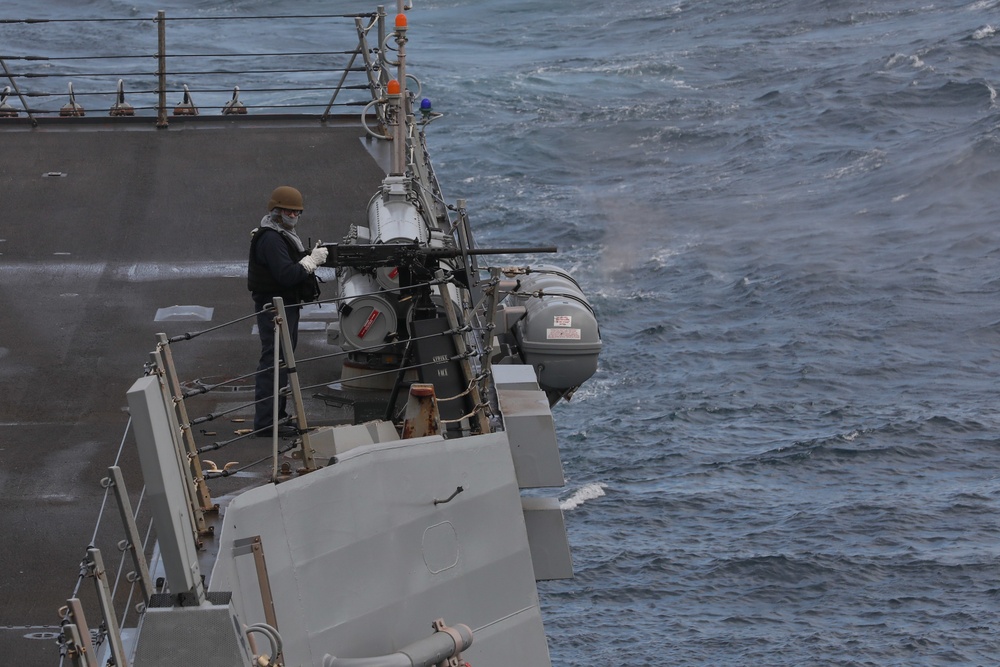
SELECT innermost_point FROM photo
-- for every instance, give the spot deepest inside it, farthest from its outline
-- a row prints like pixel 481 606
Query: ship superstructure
pixel 393 529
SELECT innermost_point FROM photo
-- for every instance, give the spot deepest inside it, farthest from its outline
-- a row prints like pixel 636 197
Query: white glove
pixel 314 259
pixel 308 263
pixel 319 254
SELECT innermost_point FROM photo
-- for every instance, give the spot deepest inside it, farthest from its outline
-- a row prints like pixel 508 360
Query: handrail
pixel 41 77
pixel 196 18
pixel 17 90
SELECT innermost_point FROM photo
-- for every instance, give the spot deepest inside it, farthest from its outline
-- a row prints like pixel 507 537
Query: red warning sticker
pixel 368 325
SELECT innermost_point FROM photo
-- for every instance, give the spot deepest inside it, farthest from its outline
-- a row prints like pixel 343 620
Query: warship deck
pixel 107 221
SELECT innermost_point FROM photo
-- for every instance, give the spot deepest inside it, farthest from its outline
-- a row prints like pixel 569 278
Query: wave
pixel 582 495
pixel 985 32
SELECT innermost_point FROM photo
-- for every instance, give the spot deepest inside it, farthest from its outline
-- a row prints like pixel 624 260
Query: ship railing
pixel 188 79
pixel 122 591
pixel 470 329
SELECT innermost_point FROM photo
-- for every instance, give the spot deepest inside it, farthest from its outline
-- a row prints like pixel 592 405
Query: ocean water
pixel 785 214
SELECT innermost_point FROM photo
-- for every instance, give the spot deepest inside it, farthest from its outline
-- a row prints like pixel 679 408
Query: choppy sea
pixel 785 214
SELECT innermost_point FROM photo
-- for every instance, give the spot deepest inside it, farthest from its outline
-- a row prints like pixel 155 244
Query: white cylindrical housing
pixel 367 317
pixel 394 221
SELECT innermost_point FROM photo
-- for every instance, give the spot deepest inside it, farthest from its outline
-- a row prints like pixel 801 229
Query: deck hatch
pixel 184 314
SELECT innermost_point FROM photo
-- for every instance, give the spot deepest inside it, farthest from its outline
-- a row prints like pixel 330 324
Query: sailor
pixel 279 265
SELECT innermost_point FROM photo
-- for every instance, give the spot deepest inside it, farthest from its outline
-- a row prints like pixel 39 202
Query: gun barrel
pixel 412 248
pixel 511 251
pixel 389 254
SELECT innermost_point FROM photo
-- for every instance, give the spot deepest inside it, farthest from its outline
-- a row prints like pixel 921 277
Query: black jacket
pixel 273 269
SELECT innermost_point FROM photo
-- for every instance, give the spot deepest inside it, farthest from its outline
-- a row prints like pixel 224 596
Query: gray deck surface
pixel 141 219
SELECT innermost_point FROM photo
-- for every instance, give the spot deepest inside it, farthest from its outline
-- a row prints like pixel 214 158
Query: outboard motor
pixel 557 333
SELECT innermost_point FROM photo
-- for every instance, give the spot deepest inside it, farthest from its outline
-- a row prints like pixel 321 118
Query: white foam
pixel 903 59
pixel 582 495
pixel 984 32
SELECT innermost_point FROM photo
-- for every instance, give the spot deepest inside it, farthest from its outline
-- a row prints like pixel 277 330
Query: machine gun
pixel 414 262
pixel 411 256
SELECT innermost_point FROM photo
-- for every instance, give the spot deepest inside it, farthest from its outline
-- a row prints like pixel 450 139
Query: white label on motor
pixel 562 321
pixel 563 334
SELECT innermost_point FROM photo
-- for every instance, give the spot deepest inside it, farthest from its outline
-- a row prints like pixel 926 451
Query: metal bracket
pixel 95 568
pixel 133 543
pixel 253 545
pixel 76 635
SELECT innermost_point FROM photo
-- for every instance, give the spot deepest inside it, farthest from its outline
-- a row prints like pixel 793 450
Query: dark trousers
pixel 264 389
